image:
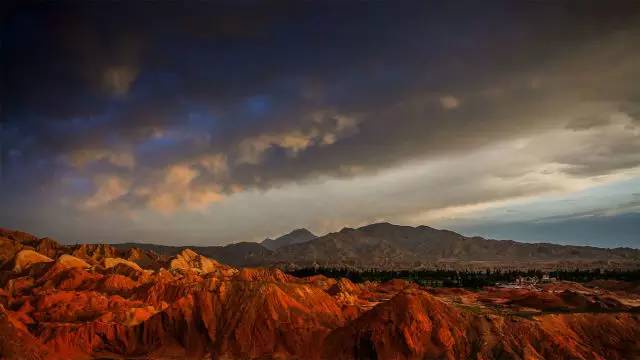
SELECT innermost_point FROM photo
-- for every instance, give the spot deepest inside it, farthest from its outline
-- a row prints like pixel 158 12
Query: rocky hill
pixel 297 236
pixel 101 302
pixel 385 245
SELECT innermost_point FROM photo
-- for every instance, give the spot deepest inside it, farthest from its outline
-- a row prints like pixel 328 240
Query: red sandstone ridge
pixel 95 301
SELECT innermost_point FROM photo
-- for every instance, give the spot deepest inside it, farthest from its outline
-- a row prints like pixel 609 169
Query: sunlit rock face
pixel 25 258
pixel 72 261
pixel 189 260
pixel 192 307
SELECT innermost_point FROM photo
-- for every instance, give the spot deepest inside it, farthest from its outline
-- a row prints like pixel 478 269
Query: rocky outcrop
pixel 188 260
pixel 144 259
pixel 8 249
pixel 18 236
pixel 49 247
pixel 26 258
pixel 95 252
pixel 112 262
pixel 72 261
pixel 16 343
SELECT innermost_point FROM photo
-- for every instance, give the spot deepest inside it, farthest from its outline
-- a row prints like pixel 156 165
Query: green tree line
pixel 466 278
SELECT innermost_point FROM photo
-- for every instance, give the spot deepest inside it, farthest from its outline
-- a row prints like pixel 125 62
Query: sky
pixel 207 123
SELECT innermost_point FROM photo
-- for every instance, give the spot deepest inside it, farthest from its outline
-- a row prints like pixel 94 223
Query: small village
pixel 527 282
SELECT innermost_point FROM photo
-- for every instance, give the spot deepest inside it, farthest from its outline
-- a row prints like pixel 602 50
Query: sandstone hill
pixel 237 254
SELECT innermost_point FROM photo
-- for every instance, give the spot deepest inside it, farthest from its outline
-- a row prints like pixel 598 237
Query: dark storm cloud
pixel 286 91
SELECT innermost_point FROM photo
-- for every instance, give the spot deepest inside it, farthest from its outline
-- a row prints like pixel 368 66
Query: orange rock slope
pixel 94 301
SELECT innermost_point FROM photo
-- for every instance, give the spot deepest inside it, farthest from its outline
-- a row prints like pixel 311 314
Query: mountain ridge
pixel 378 245
pixel 392 245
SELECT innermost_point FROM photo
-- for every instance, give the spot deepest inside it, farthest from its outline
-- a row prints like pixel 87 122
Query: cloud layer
pixel 139 115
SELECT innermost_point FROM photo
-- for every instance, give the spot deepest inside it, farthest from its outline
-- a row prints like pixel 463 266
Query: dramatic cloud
pixel 159 115
pixel 177 189
pixel 83 157
pixel 324 131
pixel 449 102
pixel 109 188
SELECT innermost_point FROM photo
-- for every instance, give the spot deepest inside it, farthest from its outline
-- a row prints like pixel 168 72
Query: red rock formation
pixel 110 262
pixel 188 260
pixel 24 259
pixel 145 259
pixel 413 325
pixel 95 304
pixel 62 277
pixel 8 249
pixel 17 343
pixel 18 236
pixel 72 261
pixel 49 247
pixel 94 252
pixel 416 325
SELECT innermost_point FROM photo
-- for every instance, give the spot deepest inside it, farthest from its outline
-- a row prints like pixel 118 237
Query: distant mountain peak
pixel 296 236
pixel 379 224
pixel 300 231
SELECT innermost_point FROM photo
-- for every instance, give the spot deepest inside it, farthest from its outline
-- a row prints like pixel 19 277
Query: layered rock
pixel 16 343
pixel 189 260
pixel 416 325
pixel 95 252
pixel 144 259
pixel 110 262
pixel 49 247
pixel 72 261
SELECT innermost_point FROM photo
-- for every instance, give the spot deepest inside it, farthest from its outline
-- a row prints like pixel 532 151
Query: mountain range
pixel 389 246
